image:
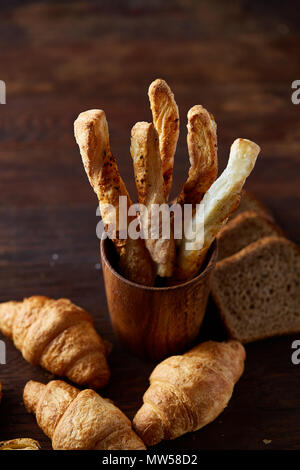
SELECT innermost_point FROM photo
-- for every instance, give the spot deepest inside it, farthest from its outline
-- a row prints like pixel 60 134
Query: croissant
pixel 57 335
pixel 75 419
pixel 189 391
pixel 20 444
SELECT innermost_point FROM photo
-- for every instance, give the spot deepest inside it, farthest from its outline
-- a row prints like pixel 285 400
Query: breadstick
pixel 91 133
pixel 202 147
pixel 219 202
pixel 166 121
pixel 150 187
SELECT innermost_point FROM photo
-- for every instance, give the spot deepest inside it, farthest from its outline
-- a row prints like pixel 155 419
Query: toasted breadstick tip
pixel 91 132
pixel 202 147
pixel 147 165
pixel 166 121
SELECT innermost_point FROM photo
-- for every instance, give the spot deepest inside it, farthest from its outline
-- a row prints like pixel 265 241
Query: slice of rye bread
pixel 257 290
pixel 249 202
pixel 245 228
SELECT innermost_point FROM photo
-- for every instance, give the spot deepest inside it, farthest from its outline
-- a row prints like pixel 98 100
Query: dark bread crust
pixel 249 202
pixel 251 308
pixel 247 227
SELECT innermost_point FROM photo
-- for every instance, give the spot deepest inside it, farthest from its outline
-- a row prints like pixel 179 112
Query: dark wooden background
pixel 238 59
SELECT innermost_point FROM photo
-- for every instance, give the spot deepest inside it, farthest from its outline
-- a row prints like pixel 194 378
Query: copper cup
pixel 155 322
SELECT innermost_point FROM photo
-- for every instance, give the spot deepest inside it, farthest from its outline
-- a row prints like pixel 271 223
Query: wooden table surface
pixel 238 59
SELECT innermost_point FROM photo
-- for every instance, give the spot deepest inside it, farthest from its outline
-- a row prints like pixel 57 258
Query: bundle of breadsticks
pixel 153 145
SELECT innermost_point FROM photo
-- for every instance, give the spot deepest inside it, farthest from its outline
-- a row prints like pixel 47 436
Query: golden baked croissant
pixel 20 444
pixel 57 335
pixel 189 391
pixel 75 419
